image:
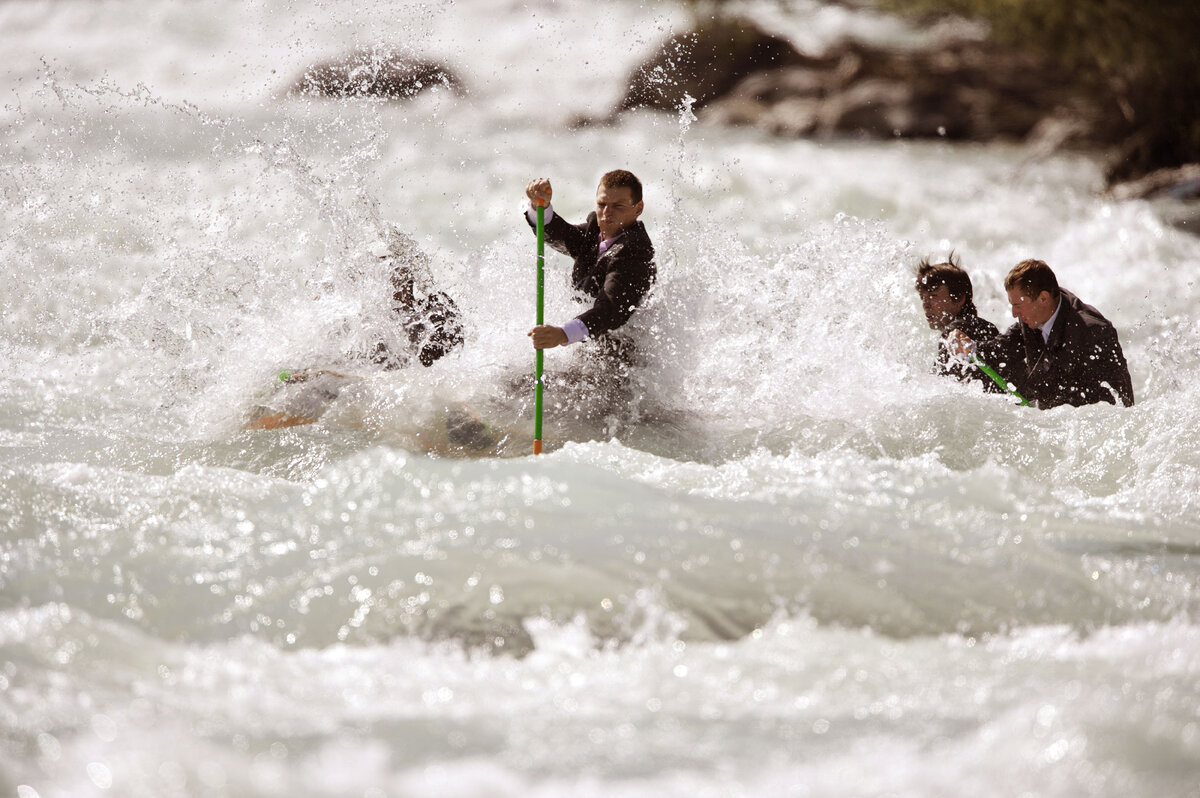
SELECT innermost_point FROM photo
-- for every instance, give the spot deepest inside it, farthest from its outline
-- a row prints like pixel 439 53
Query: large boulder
pixel 960 91
pixel 738 74
pixel 1179 183
pixel 704 64
pixel 374 73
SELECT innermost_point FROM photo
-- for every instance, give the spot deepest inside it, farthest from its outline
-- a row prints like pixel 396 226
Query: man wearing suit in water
pixel 614 260
pixel 947 297
pixel 426 319
pixel 429 318
pixel 1061 351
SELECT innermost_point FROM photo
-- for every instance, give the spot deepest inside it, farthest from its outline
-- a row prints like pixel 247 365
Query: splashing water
pixel 793 563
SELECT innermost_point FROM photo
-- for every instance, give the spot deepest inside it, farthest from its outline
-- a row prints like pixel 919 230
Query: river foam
pixel 795 563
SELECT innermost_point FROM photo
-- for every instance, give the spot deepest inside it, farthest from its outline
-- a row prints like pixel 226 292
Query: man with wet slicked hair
pixel 947 298
pixel 1061 351
pixel 614 259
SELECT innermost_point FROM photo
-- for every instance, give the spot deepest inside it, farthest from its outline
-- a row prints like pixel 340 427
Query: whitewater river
pixel 794 563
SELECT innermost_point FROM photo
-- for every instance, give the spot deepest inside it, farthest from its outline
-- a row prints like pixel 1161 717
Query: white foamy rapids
pixel 791 561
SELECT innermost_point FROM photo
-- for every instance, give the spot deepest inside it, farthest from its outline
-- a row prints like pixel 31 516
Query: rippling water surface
pixel 796 563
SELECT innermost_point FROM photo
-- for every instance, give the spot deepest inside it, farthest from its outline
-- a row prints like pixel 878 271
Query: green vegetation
pixel 1139 58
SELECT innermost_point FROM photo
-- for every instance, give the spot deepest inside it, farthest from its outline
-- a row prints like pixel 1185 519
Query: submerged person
pixel 428 319
pixel 947 297
pixel 613 262
pixel 1061 351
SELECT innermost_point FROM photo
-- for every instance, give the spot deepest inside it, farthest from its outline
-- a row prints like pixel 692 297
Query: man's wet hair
pixel 931 276
pixel 1032 277
pixel 619 178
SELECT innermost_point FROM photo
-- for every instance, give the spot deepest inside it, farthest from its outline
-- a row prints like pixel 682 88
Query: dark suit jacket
pixel 618 280
pixel 1082 363
pixel 976 328
pixel 433 327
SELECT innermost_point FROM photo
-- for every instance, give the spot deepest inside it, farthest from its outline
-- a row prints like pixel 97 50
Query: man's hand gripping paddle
pixel 963 349
pixel 996 378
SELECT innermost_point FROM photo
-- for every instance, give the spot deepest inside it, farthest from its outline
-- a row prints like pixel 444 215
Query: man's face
pixel 1033 313
pixel 939 306
pixel 615 210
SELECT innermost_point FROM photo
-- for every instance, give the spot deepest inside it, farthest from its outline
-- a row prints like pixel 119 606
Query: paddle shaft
pixel 541 290
pixel 996 378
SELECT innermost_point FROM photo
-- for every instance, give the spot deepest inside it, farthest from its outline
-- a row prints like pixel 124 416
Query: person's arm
pixel 531 214
pixel 628 280
pixel 1001 352
pixel 566 238
pixel 1006 354
pixel 547 336
pixel 625 286
pixel 561 235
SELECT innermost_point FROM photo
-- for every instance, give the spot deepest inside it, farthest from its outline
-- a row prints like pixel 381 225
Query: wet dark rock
pixel 737 74
pixel 1175 192
pixel 1187 220
pixel 1128 93
pixel 704 63
pixel 1179 183
pixel 960 91
pixel 375 73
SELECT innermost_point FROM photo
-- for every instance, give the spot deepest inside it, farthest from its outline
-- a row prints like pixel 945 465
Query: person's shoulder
pixel 1085 315
pixel 973 325
pixel 1076 306
pixel 638 238
pixel 984 328
pixel 1014 330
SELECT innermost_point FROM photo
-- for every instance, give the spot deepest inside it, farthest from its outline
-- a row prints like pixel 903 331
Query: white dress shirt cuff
pixel 531 213
pixel 576 331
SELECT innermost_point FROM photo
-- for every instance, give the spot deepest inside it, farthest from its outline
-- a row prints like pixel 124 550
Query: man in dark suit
pixel 947 298
pixel 614 259
pixel 1061 351
pixel 429 318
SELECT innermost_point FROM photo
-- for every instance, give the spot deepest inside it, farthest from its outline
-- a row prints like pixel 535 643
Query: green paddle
pixel 541 259
pixel 996 378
